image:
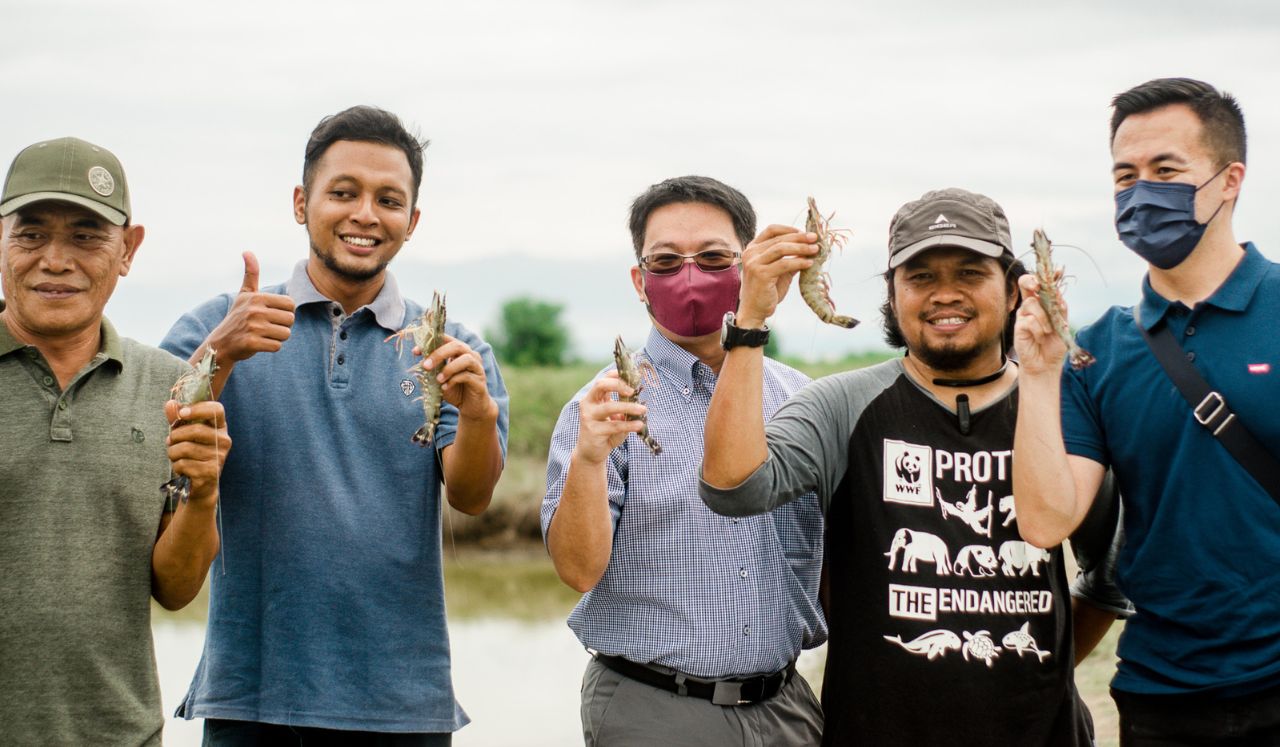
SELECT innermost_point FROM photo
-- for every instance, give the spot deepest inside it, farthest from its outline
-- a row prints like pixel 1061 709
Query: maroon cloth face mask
pixel 692 302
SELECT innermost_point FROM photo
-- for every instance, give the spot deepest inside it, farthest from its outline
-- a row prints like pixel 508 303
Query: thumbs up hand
pixel 255 323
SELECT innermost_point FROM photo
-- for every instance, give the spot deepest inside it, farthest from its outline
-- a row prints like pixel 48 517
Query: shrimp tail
pixel 177 488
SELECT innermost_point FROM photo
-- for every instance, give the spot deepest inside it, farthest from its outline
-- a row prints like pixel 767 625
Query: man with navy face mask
pixel 1200 660
pixel 695 619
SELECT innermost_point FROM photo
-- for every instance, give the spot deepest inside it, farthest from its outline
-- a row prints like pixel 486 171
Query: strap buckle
pixel 1209 409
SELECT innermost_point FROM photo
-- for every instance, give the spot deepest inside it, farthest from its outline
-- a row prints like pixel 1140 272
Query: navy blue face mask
pixel 1157 220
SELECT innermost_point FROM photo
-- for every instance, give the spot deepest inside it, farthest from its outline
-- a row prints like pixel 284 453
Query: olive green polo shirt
pixel 80 505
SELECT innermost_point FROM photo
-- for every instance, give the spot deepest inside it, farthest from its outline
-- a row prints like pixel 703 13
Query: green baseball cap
pixel 68 170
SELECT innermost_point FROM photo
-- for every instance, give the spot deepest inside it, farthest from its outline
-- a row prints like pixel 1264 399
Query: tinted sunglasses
pixel 669 263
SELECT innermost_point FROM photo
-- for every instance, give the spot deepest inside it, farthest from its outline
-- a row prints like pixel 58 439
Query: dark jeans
pixel 1195 721
pixel 228 733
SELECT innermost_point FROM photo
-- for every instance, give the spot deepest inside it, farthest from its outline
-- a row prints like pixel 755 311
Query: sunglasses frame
pixel 687 258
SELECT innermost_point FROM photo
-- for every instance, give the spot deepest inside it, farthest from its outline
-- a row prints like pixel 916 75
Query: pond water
pixel 517 668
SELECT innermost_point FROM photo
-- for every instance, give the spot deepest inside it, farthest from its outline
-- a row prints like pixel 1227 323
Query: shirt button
pixel 746 630
pixel 342 335
pixel 1191 356
pixel 1191 331
pixel 735 521
pixel 62 404
pixel 685 390
pixel 742 572
pixel 337 311
pixel 341 359
pixel 48 381
pixel 32 353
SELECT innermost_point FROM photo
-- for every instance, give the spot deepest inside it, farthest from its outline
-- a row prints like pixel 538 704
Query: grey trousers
pixel 618 711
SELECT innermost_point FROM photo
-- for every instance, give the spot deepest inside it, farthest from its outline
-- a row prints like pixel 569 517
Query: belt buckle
pixel 728 693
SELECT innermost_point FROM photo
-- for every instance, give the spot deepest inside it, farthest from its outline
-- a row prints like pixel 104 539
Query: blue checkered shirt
pixel 708 595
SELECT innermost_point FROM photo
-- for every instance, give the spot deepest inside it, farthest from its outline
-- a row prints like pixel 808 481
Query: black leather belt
pixel 732 692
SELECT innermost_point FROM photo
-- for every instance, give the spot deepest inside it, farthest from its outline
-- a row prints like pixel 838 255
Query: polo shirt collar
pixel 387 307
pixel 1234 294
pixel 670 357
pixel 8 343
pixel 109 345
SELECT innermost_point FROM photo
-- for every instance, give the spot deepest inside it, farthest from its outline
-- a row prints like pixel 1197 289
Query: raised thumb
pixel 250 282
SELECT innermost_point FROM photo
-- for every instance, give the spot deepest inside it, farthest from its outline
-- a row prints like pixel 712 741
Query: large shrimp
pixel 633 373
pixel 815 284
pixel 193 386
pixel 1049 278
pixel 427 334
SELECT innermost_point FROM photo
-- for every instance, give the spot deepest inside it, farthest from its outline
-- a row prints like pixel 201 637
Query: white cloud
pixel 547 118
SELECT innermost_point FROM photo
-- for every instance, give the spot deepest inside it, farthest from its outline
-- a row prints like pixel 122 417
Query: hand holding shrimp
pixel 198 446
pixel 460 373
pixel 769 263
pixel 603 421
pixel 1040 349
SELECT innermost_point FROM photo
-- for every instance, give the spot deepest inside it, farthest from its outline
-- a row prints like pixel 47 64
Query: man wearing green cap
pixel 86 538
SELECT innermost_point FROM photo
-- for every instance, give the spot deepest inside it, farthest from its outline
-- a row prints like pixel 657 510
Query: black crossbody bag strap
pixel 1211 410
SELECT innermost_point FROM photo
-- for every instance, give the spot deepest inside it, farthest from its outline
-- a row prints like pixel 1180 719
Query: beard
pixel 948 358
pixel 358 274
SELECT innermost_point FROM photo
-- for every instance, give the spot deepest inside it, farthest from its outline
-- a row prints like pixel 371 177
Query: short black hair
pixel 367 124
pixel 702 189
pixel 1218 111
pixel 1012 269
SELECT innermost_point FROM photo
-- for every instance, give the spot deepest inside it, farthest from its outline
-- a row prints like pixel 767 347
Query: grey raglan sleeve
pixel 808 441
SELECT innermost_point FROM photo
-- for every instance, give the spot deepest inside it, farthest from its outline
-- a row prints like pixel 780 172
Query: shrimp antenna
pixel 1087 256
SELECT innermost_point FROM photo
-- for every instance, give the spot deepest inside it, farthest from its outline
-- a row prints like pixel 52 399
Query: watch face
pixel 724 329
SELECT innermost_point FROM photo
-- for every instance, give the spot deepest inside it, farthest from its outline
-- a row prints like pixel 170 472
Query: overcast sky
pixel 547 118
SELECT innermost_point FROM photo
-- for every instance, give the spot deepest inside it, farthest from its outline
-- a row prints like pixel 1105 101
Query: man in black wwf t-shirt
pixel 946 628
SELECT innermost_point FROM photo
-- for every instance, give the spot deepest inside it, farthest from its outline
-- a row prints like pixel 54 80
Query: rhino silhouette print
pixel 1017 557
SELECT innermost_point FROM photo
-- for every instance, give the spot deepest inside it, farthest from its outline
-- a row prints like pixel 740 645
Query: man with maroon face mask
pixel 695 620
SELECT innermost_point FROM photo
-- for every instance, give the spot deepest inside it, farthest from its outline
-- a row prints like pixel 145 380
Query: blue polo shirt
pixel 1201 560
pixel 327 601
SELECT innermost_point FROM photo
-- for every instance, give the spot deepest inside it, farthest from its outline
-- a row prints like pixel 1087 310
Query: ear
pixel 1232 180
pixel 133 236
pixel 413 223
pixel 300 205
pixel 637 280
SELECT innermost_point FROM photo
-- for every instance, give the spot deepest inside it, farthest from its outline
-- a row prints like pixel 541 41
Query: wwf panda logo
pixel 406 386
pixel 907 465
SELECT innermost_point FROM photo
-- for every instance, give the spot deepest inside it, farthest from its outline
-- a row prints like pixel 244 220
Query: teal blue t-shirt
pixel 330 612
pixel 1201 561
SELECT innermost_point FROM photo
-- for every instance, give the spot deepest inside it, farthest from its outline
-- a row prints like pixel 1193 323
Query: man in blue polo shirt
pixel 1200 659
pixel 328 622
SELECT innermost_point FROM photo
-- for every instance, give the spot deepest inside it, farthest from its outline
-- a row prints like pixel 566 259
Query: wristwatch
pixel 732 337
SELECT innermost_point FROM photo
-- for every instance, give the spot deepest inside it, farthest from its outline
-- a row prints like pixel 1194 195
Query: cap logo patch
pixel 942 222
pixel 1259 368
pixel 101 181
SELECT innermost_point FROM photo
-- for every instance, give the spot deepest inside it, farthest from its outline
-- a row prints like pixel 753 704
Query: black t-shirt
pixel 945 627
